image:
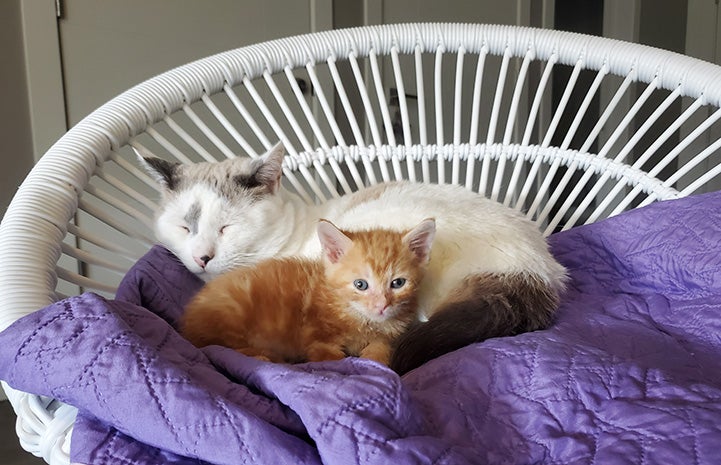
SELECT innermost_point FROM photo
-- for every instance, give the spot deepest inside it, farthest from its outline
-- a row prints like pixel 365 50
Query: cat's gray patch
pixel 193 217
pixel 249 181
pixel 234 183
pixel 236 179
pixel 230 179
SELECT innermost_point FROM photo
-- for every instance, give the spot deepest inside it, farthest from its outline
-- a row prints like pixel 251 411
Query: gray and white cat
pixel 490 272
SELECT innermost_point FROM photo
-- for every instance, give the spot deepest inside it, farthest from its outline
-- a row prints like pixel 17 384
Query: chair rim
pixel 145 104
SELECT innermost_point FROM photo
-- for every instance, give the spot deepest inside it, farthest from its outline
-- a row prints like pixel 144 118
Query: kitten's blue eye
pixel 398 283
pixel 360 284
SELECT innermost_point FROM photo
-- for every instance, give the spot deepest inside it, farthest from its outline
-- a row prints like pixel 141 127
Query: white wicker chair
pixel 472 106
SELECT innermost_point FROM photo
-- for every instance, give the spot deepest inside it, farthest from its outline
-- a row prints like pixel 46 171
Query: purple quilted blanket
pixel 629 374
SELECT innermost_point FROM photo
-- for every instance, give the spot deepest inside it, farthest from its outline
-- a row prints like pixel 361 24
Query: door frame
pixel 43 73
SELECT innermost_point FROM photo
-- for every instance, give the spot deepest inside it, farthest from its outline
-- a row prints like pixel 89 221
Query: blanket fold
pixel 629 373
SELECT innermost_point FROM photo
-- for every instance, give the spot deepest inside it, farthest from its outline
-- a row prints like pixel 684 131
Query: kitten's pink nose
pixel 203 261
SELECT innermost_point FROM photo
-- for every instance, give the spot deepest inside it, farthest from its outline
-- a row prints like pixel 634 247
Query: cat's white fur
pixel 474 234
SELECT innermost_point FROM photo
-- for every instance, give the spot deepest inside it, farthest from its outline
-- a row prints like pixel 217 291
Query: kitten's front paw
pixel 255 353
pixel 378 351
pixel 321 352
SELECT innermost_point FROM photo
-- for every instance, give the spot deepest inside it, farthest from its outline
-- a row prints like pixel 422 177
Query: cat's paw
pixel 378 351
pixel 321 352
pixel 255 353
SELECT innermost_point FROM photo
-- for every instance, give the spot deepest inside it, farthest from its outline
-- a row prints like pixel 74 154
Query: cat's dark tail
pixel 482 307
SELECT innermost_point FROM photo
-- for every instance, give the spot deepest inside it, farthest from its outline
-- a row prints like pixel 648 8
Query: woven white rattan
pixel 472 104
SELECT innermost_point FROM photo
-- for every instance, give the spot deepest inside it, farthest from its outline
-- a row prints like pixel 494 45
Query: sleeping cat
pixel 491 273
pixel 354 301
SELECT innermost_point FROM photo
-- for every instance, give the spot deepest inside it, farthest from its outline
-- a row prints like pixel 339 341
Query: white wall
pixel 15 142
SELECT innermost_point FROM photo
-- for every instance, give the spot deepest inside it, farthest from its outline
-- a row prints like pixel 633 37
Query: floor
pixel 10 451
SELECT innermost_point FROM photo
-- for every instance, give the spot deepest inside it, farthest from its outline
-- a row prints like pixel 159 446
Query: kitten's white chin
pixel 378 317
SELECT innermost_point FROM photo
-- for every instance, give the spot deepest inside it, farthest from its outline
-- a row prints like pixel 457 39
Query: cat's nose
pixel 203 261
pixel 383 309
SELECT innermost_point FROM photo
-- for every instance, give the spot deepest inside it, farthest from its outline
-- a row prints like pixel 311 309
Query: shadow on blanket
pixel 628 374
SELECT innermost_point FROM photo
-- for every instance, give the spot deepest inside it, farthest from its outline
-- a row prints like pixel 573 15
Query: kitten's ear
pixel 268 168
pixel 335 244
pixel 163 171
pixel 420 239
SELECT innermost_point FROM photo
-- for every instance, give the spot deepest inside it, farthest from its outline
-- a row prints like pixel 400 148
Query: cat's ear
pixel 420 239
pixel 335 244
pixel 163 171
pixel 267 169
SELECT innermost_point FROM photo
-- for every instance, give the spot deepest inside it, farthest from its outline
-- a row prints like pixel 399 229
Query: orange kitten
pixel 354 301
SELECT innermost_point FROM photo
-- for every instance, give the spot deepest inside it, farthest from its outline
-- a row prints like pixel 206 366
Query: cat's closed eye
pixel 184 228
pixel 222 230
pixel 398 283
